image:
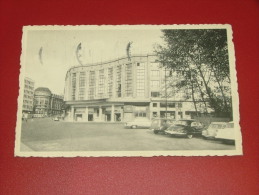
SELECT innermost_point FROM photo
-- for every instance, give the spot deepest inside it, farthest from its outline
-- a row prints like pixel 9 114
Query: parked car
pixel 227 134
pixel 160 125
pixel 185 127
pixel 212 130
pixel 56 119
pixel 139 122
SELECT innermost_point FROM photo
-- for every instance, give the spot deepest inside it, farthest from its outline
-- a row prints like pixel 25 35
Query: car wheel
pixel 155 132
pixel 189 136
pixel 134 126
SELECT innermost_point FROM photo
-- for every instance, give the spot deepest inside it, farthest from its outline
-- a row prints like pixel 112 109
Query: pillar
pixel 112 113
pixel 86 114
pixel 72 113
pixel 176 111
pixel 150 110
pixel 100 113
pixel 122 115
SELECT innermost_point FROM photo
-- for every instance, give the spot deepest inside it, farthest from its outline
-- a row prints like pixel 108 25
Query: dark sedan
pixel 187 128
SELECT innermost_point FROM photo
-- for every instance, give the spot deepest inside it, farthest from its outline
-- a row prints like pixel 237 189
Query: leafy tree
pixel 201 56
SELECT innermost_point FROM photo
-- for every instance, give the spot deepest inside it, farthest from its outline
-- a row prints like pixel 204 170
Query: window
pixel 82 83
pixel 155 94
pixel 155 65
pixel 128 80
pixel 154 73
pixel 155 84
pixel 140 114
pixel 162 105
pixel 171 105
pixel 91 84
pixel 82 79
pixel 154 104
pixel 110 81
pixel 140 81
pixel 118 88
pixel 81 93
pixel 73 86
pixel 101 83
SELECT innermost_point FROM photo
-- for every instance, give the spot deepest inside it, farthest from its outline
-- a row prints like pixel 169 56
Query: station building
pixel 121 90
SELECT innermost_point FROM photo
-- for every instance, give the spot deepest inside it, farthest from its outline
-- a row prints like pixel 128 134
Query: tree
pixel 201 56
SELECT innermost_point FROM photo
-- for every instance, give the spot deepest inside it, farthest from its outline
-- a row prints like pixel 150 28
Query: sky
pixel 59 51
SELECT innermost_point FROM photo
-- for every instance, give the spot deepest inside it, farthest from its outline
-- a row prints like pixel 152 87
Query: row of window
pixel 28 82
pixel 128 87
pixel 27 107
pixel 27 102
pixel 28 96
pixel 110 81
pixel 169 105
pixel 128 81
pixel 82 84
pixel 30 92
pixel 29 87
pixel 140 80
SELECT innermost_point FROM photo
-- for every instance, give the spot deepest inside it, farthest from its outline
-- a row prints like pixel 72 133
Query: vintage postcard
pixel 128 90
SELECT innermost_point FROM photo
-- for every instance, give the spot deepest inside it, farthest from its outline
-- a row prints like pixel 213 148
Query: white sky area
pixel 59 51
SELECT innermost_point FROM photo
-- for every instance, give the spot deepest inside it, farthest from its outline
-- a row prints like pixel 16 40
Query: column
pixel 134 79
pixel 86 114
pixel 123 77
pixel 176 111
pixel 77 86
pixel 150 110
pixel 86 85
pixel 100 113
pixel 112 113
pixel 114 84
pixel 158 109
pixel 122 115
pixel 72 113
pixel 96 96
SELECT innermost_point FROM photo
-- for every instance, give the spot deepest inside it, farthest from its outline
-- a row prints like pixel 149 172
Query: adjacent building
pixel 46 103
pixel 121 90
pixel 28 95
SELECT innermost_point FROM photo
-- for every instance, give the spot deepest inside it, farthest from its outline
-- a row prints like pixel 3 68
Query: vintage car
pixel 212 130
pixel 185 127
pixel 56 119
pixel 227 134
pixel 139 122
pixel 159 125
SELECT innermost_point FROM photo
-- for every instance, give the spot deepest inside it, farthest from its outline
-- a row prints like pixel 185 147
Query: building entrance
pixel 90 117
pixel 78 117
pixel 108 117
pixel 118 117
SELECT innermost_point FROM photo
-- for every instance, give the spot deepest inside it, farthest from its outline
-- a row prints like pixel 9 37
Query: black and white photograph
pixel 128 90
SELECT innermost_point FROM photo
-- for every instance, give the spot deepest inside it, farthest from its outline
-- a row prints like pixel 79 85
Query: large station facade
pixel 121 90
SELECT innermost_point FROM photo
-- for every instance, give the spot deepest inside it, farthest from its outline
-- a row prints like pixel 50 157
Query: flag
pixel 40 55
pixel 128 50
pixel 78 53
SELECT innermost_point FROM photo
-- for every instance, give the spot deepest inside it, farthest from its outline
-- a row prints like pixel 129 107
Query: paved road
pixel 48 135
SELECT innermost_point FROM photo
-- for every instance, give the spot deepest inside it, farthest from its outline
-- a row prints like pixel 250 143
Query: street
pixel 48 135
